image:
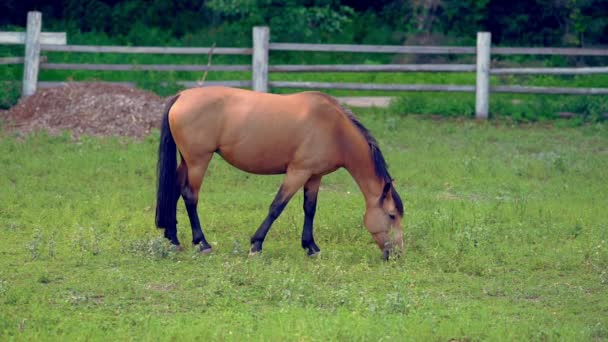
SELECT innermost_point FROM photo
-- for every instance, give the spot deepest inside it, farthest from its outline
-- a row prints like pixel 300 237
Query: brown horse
pixel 305 136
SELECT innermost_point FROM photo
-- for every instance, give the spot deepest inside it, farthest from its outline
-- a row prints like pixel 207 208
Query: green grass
pixel 506 237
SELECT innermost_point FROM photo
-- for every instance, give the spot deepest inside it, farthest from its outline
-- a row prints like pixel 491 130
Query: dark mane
pixel 380 165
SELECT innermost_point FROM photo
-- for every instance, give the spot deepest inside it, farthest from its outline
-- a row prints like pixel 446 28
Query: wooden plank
pixel 32 53
pixel 19 60
pixel 261 39
pixel 374 68
pixel 365 101
pixel 372 48
pixel 235 84
pixel 360 86
pixel 11 60
pixel 549 51
pixel 482 85
pixel 549 90
pixel 188 84
pixel 438 88
pixel 45 38
pixel 550 71
pixel 51 84
pixel 372 86
pixel 147 49
pixel 53 38
pixel 12 37
pixel 144 67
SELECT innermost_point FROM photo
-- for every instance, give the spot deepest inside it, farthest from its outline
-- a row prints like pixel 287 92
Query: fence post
pixel 32 53
pixel 482 89
pixel 261 40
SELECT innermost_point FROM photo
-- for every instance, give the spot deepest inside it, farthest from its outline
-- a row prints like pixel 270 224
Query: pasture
pixel 506 237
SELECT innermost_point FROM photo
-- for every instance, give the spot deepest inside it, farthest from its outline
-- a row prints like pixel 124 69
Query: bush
pixel 10 91
pixel 522 108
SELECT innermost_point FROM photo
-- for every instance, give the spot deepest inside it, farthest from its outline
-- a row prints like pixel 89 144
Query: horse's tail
pixel 166 204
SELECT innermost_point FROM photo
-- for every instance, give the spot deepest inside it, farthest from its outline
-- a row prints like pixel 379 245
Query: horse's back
pixel 259 132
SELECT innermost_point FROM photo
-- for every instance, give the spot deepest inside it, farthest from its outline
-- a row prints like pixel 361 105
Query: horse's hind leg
pixel 195 172
pixel 171 229
pixel 294 179
pixel 311 190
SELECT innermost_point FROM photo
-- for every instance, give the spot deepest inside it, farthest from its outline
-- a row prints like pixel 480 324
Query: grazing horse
pixel 304 136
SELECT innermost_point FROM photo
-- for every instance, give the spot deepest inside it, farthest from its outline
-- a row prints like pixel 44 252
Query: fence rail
pixel 549 51
pixel 37 41
pixel 12 60
pixel 373 68
pixel 146 49
pixel 189 84
pixel 372 48
pixel 550 71
pixel 144 67
pixel 19 38
pixel 370 86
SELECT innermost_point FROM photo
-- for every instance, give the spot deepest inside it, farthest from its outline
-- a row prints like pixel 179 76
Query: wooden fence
pixel 37 41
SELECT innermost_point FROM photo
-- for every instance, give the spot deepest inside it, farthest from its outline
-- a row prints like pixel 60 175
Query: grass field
pixel 506 237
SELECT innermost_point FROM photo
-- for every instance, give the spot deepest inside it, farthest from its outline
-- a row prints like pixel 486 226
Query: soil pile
pixel 92 109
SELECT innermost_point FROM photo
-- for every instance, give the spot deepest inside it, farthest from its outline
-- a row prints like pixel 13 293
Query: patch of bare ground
pixel 95 109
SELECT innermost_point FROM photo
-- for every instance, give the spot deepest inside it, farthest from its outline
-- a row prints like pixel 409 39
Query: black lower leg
pixel 310 208
pixel 277 206
pixel 198 238
pixel 171 234
pixel 171 230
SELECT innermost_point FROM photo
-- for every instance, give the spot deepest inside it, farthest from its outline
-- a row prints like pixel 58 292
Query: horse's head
pixel 383 220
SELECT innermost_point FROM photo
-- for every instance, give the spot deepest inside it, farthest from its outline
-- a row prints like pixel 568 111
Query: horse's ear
pixel 385 191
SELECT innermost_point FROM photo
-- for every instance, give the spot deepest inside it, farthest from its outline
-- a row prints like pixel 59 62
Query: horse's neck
pixel 359 164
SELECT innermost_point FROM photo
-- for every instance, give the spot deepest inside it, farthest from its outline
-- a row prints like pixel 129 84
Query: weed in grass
pixel 396 303
pixel 44 278
pixel 3 286
pixel 87 240
pixel 597 258
pixel 154 248
pixel 51 247
pixel 34 246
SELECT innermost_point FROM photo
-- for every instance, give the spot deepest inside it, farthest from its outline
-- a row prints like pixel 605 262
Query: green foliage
pixel 505 229
pixel 537 22
pixel 9 93
pixel 522 108
pixel 289 21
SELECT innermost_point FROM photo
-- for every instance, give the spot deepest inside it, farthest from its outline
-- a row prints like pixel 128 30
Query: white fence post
pixel 32 53
pixel 482 89
pixel 261 41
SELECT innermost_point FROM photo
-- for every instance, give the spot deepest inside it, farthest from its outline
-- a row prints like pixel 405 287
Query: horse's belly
pixel 258 162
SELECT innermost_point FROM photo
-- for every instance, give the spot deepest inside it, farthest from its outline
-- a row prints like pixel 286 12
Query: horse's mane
pixel 380 165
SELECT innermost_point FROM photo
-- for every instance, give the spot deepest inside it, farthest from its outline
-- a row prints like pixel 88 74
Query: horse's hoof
pixel 256 248
pixel 254 251
pixel 313 254
pixel 208 250
pixel 386 254
pixel 179 248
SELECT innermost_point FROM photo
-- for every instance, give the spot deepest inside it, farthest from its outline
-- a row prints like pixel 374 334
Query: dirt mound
pixel 92 109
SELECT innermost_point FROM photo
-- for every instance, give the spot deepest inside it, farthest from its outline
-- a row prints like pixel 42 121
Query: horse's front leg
pixel 311 190
pixel 294 179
